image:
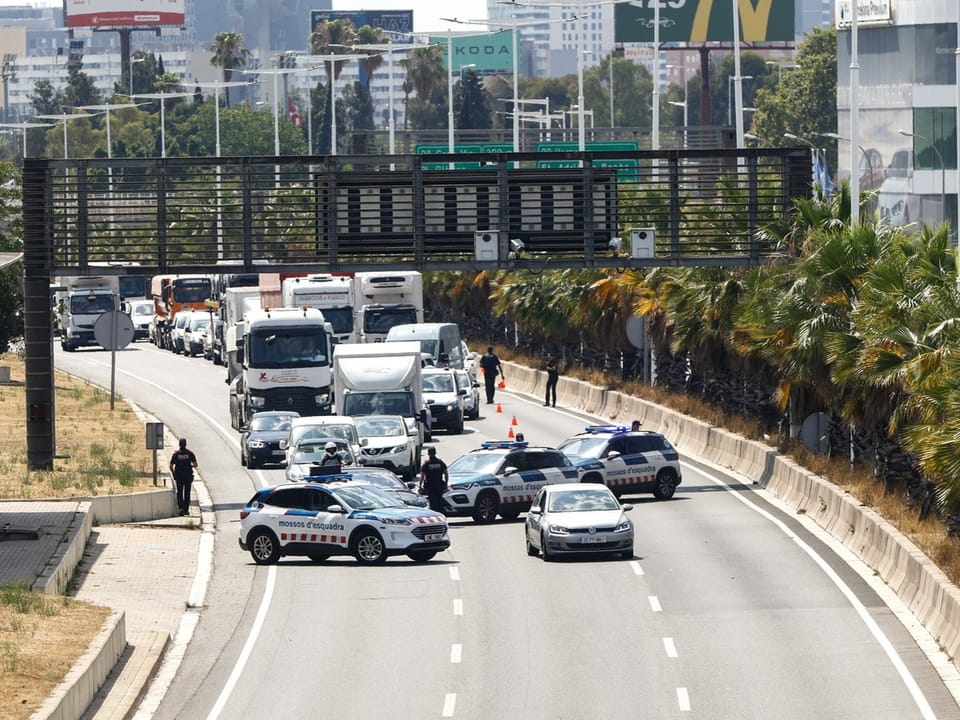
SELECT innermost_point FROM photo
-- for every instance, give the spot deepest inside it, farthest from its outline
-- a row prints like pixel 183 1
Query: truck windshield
pixel 82 304
pixel 380 320
pixel 281 348
pixel 340 318
pixel 377 403
pixel 192 291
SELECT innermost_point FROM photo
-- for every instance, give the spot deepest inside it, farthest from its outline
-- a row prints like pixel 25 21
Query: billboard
pixel 392 22
pixel 124 13
pixel 698 21
pixel 484 52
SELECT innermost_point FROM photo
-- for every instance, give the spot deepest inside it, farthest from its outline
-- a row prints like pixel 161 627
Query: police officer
pixel 182 464
pixel 434 478
pixel 490 364
pixel 330 455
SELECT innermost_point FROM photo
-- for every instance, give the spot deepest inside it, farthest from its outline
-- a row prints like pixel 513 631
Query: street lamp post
pixel 943 169
pixel 132 61
pixel 813 148
pixel 64 117
pixel 866 155
pixel 24 126
pixel 163 116
pixel 731 105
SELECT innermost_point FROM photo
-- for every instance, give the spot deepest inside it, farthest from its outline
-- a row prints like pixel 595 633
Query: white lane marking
pixel 248 646
pixel 449 704
pixel 456 652
pixel 909 681
pixel 458 606
pixel 670 647
pixel 454 573
pixel 683 699
pixel 655 604
pixel 635 564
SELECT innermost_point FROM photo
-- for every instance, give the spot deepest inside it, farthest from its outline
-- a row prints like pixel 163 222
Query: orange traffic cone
pixel 510 434
pixel 514 421
pixel 499 409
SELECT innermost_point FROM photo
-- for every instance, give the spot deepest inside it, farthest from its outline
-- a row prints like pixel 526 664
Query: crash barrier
pixel 921 585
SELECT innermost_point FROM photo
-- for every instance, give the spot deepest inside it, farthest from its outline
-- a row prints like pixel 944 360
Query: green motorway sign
pixel 438 149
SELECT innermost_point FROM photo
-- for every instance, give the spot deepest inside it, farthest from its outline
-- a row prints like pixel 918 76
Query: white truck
pixel 285 364
pixel 236 303
pixel 382 379
pixel 80 301
pixel 331 294
pixel 385 299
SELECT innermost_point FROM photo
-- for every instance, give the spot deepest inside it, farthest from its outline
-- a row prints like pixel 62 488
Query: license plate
pixel 279 452
pixel 590 539
pixel 434 537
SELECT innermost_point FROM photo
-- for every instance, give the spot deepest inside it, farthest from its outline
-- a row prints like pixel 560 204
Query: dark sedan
pixel 260 441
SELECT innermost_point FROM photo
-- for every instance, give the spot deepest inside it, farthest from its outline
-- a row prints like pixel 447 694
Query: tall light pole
pixel 24 126
pixel 132 61
pixel 735 102
pixel 866 155
pixel 943 169
pixel 816 155
pixel 162 97
pixel 64 117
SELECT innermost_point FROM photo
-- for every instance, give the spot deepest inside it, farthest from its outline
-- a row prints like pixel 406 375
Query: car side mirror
pixel 334 509
pixel 626 508
pixel 534 510
pixel 364 442
pixel 613 454
pixel 462 392
pixel 510 470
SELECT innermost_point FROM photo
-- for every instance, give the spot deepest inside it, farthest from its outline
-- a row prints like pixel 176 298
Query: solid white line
pixel 655 604
pixel 449 704
pixel 454 573
pixel 909 681
pixel 458 606
pixel 248 646
pixel 635 564
pixel 683 699
pixel 670 647
pixel 456 652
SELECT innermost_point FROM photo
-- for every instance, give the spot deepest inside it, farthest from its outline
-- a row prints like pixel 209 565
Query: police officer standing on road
pixel 433 478
pixel 490 364
pixel 182 464
pixel 553 376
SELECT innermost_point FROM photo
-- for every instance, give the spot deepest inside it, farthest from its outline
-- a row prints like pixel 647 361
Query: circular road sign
pixel 113 330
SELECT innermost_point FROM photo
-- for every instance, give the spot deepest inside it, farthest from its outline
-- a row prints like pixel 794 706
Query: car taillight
pixel 243 514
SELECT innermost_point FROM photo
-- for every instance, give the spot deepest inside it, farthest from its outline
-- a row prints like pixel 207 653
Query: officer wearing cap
pixel 182 463
pixel 433 479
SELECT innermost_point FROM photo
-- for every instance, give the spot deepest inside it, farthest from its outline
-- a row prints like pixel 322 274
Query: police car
pixel 336 516
pixel 625 461
pixel 502 478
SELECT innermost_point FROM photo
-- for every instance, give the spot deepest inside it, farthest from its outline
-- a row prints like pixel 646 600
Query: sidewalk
pixel 148 570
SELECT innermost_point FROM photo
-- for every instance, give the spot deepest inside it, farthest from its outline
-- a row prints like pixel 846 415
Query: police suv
pixel 627 462
pixel 502 478
pixel 336 516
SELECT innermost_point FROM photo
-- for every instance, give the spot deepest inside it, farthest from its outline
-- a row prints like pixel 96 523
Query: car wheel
pixel 666 485
pixel 487 507
pixel 593 478
pixel 458 428
pixel 532 549
pixel 318 558
pixel 421 555
pixel 251 463
pixel 547 557
pixel 512 515
pixel 264 547
pixel 243 460
pixel 368 548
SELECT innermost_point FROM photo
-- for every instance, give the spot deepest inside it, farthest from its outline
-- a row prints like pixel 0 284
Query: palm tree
pixel 229 53
pixel 332 37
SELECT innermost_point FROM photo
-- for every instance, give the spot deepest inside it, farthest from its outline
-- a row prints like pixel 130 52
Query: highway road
pixel 731 609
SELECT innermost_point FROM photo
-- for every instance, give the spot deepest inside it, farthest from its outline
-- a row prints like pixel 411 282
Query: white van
pixel 439 342
pixel 341 427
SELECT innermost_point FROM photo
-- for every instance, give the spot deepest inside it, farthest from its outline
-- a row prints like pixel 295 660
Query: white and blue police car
pixel 626 461
pixel 502 477
pixel 336 516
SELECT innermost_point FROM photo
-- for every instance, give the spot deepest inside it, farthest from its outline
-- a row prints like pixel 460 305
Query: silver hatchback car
pixel 578 519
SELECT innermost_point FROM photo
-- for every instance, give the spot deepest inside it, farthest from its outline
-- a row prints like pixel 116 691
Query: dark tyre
pixel 243 460
pixel 318 558
pixel 264 547
pixel 252 464
pixel 421 555
pixel 666 485
pixel 487 507
pixel 512 515
pixel 368 548
pixel 592 478
pixel 544 550
pixel 458 428
pixel 532 549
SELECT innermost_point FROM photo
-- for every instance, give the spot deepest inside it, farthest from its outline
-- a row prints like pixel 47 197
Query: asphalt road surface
pixel 731 608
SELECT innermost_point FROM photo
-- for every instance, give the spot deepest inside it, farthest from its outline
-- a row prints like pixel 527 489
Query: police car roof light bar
pixel 606 428
pixel 327 478
pixel 503 444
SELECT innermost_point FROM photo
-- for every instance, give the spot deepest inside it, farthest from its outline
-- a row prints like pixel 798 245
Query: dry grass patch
pixel 99 451
pixel 41 637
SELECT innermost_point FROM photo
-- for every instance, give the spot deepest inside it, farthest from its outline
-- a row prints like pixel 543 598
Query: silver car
pixel 309 453
pixel 471 401
pixel 577 519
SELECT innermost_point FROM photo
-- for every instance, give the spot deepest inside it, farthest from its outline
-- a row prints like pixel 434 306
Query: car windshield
pixel 475 463
pixel 438 383
pixel 200 324
pixel 347 433
pixel 463 380
pixel 587 446
pixel 581 500
pixel 270 422
pixel 91 304
pixel 383 480
pixel 380 427
pixel 359 404
pixel 362 497
pixel 288 347
pixel 142 309
pixel 308 453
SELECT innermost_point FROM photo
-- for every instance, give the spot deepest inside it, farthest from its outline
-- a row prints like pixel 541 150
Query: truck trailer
pixel 385 299
pixel 331 294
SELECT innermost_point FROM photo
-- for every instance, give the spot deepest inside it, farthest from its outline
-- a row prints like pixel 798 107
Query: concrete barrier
pixel 916 580
pixel 59 569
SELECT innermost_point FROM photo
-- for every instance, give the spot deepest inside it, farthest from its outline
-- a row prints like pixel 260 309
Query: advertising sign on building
pixel 391 21
pixel 698 21
pixel 486 53
pixel 868 11
pixel 124 13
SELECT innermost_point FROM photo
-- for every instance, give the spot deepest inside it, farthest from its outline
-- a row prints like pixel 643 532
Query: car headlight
pixel 321 398
pixel 623 526
pixel 397 449
pixel 451 407
pixel 257 401
pixel 558 530
pixel 394 521
pixel 256 444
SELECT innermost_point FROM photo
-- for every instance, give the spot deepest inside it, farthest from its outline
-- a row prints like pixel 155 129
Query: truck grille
pixel 300 400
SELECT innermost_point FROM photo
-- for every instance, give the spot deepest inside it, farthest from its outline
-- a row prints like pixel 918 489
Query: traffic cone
pixel 514 421
pixel 499 409
pixel 510 434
